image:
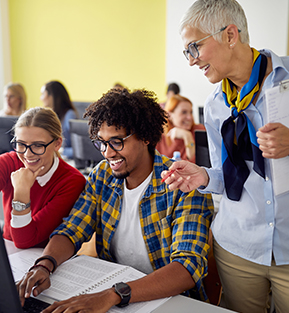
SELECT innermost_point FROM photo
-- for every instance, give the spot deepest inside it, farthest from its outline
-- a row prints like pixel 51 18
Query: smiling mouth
pixel 205 68
pixel 31 161
pixel 187 125
pixel 115 164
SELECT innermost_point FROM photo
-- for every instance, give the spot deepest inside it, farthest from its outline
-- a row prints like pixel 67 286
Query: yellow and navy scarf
pixel 239 139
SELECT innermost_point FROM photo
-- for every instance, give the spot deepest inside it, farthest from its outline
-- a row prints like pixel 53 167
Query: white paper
pixel 85 274
pixel 79 275
pixel 278 112
pixel 21 261
pixel 82 274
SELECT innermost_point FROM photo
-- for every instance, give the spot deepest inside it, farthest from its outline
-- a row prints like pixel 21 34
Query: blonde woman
pixel 14 100
pixel 38 187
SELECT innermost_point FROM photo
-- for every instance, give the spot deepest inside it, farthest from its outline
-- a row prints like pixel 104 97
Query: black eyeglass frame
pixel 13 143
pixel 188 51
pixel 105 143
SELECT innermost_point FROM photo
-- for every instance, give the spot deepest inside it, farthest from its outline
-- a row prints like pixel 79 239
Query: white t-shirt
pixel 127 244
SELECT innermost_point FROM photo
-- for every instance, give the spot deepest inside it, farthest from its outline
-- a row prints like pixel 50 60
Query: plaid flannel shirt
pixel 175 225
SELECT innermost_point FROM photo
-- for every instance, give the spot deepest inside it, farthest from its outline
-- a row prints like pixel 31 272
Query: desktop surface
pixel 175 304
pixel 188 305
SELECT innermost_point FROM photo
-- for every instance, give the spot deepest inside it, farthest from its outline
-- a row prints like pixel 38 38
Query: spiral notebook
pixel 84 274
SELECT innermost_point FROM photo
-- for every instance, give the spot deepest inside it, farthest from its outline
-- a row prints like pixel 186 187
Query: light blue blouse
pixel 257 225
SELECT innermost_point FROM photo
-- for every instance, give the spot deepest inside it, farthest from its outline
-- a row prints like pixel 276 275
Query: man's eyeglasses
pixel 116 143
pixel 193 46
pixel 35 148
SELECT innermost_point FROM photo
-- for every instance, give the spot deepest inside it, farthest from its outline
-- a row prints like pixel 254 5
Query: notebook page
pixel 78 274
pixel 21 261
pixel 278 112
pixel 126 275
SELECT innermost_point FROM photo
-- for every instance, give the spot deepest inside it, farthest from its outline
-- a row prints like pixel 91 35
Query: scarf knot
pixel 239 142
pixel 234 113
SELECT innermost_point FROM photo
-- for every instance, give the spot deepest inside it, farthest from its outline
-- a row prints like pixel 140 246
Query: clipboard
pixel 277 106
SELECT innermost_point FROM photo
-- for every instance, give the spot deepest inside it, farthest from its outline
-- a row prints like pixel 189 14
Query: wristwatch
pixel 20 206
pixel 124 291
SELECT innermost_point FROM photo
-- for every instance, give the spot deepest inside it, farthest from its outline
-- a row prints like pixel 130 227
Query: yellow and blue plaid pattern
pixel 175 225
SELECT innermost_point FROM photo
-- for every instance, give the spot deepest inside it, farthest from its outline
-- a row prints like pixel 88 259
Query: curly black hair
pixel 138 112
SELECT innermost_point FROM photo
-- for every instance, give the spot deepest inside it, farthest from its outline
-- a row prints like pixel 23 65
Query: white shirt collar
pixel 43 180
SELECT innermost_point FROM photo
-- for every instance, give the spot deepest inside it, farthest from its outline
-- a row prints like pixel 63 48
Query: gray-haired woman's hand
pixel 185 176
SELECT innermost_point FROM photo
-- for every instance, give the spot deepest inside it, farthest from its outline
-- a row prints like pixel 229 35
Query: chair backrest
pixel 80 107
pixel 84 154
pixel 6 125
pixel 212 282
pixel 201 115
pixel 202 149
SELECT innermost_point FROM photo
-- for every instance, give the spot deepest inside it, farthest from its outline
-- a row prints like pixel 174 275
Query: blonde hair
pixel 18 91
pixel 41 117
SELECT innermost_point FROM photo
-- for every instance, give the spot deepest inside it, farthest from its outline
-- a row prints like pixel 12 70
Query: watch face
pixel 19 206
pixel 123 289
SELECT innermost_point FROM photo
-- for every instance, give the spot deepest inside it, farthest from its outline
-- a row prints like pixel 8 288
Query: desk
pixel 187 305
pixel 10 247
pixel 175 304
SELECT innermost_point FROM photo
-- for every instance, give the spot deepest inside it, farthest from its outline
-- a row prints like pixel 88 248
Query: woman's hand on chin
pixel 177 133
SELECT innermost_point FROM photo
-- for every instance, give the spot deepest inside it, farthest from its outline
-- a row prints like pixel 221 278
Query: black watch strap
pixel 124 291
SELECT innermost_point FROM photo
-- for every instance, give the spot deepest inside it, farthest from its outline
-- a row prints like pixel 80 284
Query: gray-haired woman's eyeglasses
pixel 193 46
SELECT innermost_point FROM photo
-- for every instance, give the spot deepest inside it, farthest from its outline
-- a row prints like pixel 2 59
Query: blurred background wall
pixel 89 45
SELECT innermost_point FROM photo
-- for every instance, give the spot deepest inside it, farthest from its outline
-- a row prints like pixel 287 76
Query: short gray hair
pixel 209 16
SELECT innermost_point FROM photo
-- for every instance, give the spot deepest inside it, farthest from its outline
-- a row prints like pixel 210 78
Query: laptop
pixel 9 299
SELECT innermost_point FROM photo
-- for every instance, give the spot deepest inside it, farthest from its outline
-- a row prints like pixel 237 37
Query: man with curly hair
pixel 138 221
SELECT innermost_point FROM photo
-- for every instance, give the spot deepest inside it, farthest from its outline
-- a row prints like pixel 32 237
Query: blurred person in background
pixel 179 135
pixel 173 89
pixel 55 96
pixel 14 100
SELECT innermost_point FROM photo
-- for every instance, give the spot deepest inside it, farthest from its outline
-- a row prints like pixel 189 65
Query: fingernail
pixel 180 179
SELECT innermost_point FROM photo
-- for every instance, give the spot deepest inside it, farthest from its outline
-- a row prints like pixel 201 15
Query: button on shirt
pixel 257 225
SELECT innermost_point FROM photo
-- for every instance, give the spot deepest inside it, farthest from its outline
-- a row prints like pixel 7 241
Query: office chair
pixel 6 125
pixel 85 155
pixel 202 149
pixel 80 107
pixel 201 115
pixel 212 282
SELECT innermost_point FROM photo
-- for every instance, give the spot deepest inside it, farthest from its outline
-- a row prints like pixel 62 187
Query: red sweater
pixel 177 145
pixel 49 204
